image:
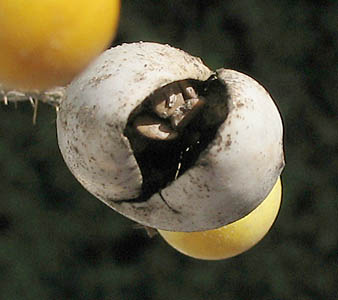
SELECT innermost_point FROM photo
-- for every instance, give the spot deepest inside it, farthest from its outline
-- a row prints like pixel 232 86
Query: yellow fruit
pixel 44 43
pixel 232 239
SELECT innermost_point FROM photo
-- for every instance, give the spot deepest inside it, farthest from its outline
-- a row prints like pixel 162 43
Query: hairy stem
pixel 52 97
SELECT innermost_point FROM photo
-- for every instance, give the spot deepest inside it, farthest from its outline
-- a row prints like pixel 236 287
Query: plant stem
pixel 52 97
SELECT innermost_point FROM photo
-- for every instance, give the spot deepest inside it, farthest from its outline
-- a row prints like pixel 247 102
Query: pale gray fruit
pixel 157 136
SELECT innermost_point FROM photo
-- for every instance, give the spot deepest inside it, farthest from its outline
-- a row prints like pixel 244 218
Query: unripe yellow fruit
pixel 45 43
pixel 232 239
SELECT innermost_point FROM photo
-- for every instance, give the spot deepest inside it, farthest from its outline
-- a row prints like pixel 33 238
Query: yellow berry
pixel 232 239
pixel 45 43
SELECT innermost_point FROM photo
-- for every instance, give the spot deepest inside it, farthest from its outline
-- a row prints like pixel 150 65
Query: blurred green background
pixel 59 242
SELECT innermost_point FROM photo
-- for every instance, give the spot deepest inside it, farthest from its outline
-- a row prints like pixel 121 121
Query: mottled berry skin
pixel 229 177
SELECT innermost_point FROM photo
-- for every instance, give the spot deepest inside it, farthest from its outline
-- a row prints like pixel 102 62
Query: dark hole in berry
pixel 163 161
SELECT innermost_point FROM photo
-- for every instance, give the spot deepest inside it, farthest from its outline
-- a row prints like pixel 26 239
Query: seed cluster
pixel 169 111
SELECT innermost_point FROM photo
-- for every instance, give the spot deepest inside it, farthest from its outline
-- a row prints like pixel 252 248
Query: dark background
pixel 59 242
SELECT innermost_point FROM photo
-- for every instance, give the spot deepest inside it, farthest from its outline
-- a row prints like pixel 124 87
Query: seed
pixel 154 128
pixel 164 105
pixel 188 90
pixel 185 113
